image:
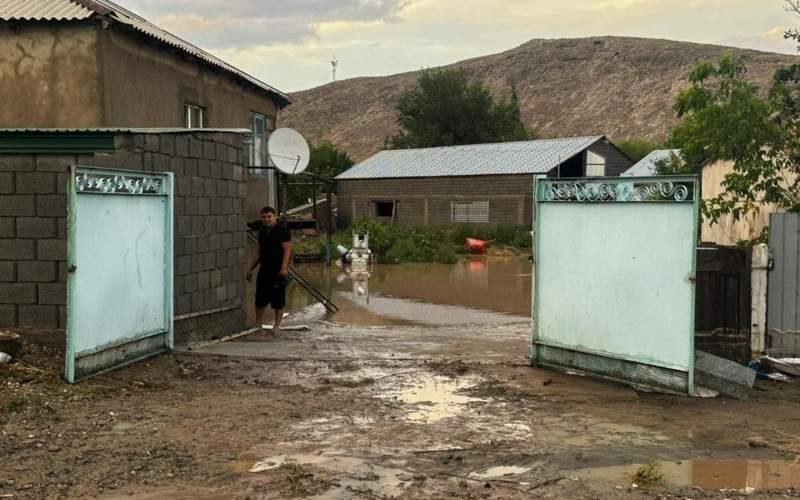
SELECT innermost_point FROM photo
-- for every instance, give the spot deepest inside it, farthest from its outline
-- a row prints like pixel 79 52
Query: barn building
pixel 477 184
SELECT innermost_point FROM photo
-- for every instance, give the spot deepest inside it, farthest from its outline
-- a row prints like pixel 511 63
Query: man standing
pixel 274 253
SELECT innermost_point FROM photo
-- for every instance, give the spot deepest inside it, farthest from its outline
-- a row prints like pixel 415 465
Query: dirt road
pixel 381 412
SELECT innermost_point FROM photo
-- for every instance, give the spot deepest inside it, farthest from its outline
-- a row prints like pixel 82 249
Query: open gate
pixel 614 275
pixel 119 258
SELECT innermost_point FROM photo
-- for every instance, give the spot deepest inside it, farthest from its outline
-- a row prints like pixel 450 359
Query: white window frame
pixel 188 108
pixel 471 212
pixel 595 164
pixel 258 152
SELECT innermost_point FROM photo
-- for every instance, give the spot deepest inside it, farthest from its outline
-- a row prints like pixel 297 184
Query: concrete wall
pixel 78 74
pixel 210 246
pixel 49 75
pixel 422 201
pixel 147 85
pixel 729 231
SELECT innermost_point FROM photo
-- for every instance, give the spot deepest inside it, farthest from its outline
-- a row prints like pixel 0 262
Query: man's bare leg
pixel 259 317
pixel 276 327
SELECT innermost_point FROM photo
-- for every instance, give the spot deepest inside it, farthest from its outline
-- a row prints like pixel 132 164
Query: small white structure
pixel 646 167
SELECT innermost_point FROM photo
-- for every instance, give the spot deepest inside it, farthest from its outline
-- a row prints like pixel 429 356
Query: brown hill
pixel 621 87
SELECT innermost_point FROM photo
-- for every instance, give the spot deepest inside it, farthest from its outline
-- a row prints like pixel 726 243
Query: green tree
pixel 326 162
pixel 724 118
pixel 448 108
pixel 636 149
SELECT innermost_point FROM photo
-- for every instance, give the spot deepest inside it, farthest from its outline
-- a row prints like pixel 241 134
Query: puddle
pixel 748 475
pixel 435 398
pixel 359 474
pixel 121 427
pixel 500 471
pixel 585 431
pixel 487 290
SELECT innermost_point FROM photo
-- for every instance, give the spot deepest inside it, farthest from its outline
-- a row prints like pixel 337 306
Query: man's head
pixel 268 216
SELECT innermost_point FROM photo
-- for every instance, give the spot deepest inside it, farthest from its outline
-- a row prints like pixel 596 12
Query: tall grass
pixel 394 244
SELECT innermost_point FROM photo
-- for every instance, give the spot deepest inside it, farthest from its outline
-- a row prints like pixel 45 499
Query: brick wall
pixel 210 246
pixel 510 198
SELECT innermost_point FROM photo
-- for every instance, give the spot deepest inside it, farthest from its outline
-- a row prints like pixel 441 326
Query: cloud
pixel 248 23
pixel 768 41
pixel 289 43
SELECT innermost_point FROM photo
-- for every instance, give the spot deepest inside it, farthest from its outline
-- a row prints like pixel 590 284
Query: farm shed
pixel 477 184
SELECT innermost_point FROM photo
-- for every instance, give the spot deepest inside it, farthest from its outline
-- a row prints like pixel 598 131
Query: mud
pixel 365 413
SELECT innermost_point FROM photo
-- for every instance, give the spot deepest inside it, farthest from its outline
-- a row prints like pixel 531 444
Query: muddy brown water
pixel 748 475
pixel 475 290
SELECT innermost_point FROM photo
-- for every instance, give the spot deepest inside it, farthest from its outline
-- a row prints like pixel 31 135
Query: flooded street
pixel 475 290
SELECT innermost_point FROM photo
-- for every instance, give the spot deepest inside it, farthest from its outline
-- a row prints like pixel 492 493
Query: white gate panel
pixel 119 289
pixel 614 278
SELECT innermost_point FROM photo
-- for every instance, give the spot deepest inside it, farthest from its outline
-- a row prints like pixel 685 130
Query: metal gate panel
pixel 614 278
pixel 783 288
pixel 119 286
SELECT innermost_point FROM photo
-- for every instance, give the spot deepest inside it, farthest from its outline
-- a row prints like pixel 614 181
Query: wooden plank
pixel 775 280
pixel 795 256
pixel 790 243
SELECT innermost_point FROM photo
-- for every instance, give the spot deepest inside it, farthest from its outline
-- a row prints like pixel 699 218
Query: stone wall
pixel 210 247
pixel 426 200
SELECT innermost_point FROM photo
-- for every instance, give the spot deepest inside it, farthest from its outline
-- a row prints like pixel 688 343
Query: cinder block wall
pixel 210 246
pixel 510 198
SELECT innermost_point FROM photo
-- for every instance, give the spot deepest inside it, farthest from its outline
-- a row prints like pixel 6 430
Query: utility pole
pixel 334 63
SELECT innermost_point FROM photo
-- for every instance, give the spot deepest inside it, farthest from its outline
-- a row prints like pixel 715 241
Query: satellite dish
pixel 288 151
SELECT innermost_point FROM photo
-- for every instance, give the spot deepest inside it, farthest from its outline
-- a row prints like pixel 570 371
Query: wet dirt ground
pixel 445 425
pixel 438 403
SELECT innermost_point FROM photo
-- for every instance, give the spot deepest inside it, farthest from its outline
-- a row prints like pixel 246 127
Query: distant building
pixel 479 184
pixel 647 166
pixel 730 231
pixel 92 63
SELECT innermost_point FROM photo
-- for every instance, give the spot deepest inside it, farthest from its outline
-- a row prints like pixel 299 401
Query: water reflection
pixel 474 290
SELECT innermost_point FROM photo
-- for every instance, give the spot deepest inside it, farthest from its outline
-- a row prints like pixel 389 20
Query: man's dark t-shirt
pixel 270 247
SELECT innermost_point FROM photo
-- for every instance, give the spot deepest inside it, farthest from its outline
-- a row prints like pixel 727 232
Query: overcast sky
pixel 289 43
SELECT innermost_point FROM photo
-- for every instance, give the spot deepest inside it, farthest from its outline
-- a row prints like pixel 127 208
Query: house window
pixel 195 116
pixel 260 126
pixel 595 165
pixel 469 211
pixel 384 209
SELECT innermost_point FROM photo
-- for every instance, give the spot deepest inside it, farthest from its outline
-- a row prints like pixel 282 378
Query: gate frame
pixel 538 181
pixel 168 180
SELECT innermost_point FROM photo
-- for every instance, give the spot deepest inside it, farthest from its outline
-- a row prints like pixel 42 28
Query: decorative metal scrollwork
pixel 623 191
pixel 118 184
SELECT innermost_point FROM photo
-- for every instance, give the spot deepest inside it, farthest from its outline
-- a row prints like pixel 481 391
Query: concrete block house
pixel 87 82
pixel 477 184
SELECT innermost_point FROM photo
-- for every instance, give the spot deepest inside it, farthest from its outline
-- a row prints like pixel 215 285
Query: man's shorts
pixel 270 290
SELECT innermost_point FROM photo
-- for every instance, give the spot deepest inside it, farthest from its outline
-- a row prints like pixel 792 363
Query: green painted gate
pixel 614 267
pixel 119 257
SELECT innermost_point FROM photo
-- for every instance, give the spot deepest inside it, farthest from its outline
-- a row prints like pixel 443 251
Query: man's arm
pixel 254 261
pixel 287 256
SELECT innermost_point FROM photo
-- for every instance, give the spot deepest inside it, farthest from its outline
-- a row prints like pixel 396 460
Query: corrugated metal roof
pixel 504 158
pixel 43 10
pixel 647 165
pixel 66 10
